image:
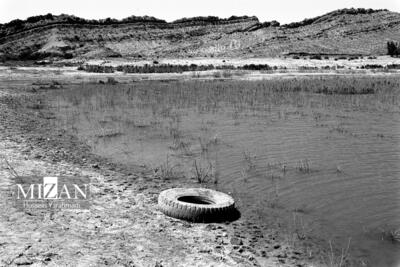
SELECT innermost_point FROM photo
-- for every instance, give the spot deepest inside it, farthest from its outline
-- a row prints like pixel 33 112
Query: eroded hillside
pixel 347 31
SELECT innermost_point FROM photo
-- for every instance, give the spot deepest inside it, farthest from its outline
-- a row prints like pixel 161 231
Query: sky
pixel 284 11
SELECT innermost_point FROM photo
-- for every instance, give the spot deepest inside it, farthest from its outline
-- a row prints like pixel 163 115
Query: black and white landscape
pixel 298 122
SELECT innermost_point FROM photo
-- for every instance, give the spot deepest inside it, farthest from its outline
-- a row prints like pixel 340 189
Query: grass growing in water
pixel 129 105
pixel 203 172
pixel 303 166
pixel 249 160
pixel 167 171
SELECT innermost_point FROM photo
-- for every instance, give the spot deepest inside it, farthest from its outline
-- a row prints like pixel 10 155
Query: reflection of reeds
pixel 203 145
pixel 183 146
pixel 207 143
pixel 394 235
pixel 272 200
pixel 235 117
pixel 301 229
pixel 339 129
pixel 317 117
pixel 249 160
pixel 280 166
pixel 338 260
pixel 244 175
pixel 391 235
pixel 303 166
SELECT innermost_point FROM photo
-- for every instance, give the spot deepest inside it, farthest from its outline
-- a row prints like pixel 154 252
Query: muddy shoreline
pixel 124 226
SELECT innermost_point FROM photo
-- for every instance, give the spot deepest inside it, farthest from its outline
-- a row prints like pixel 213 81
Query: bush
pixel 393 66
pixel 273 23
pixel 372 66
pixel 68 55
pixel 393 48
pixel 352 58
pixel 316 57
pixel 256 67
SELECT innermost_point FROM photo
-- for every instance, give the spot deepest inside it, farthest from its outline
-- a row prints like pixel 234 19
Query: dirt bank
pixel 124 226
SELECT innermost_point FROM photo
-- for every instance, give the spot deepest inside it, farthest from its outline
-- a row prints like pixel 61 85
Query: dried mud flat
pixel 124 226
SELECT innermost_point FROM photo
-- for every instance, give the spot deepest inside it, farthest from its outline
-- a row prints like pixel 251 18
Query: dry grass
pixel 10 168
pixel 203 172
pixel 338 259
pixel 167 170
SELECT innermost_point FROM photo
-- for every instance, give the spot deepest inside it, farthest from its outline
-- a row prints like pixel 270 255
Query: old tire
pixel 197 204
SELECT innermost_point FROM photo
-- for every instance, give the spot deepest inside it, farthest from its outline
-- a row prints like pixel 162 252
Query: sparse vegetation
pixel 203 172
pixel 335 260
pixel 392 235
pixel 249 160
pixel 183 118
pixel 167 170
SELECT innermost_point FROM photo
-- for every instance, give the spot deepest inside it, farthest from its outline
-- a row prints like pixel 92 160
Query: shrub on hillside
pixel 393 48
pixel 273 23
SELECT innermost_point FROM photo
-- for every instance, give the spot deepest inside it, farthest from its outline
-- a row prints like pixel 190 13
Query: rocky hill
pixel 346 31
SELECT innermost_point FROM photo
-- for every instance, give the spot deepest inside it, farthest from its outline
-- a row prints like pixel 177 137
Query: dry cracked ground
pixel 123 226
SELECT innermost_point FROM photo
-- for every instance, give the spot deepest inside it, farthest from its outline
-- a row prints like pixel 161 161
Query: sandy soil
pixel 124 226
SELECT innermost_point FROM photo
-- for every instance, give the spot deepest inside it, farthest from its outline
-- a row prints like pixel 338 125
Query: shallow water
pixel 331 159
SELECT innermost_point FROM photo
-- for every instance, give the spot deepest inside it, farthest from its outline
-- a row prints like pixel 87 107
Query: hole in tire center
pixel 196 200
